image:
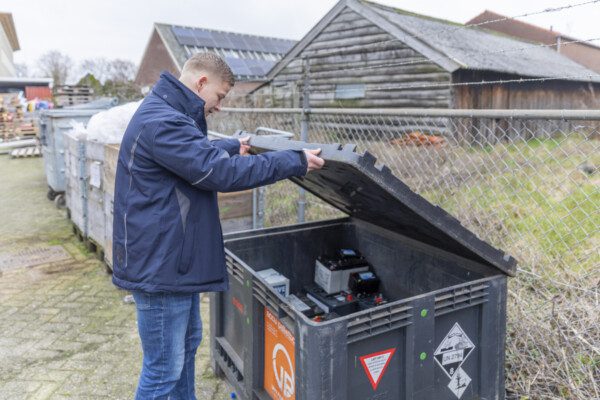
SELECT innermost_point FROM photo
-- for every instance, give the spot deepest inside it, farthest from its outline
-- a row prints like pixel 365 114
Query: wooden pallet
pixel 25 152
pixel 70 90
pixel 63 101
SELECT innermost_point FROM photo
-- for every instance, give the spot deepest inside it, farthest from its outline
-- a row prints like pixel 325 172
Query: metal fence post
pixel 304 131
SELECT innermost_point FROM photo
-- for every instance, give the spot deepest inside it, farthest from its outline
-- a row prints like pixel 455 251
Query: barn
pixel 367 55
pixel 249 56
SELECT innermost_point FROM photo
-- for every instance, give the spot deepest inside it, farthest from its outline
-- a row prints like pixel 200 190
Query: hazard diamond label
pixel 375 365
pixel 459 382
pixel 451 354
pixel 454 350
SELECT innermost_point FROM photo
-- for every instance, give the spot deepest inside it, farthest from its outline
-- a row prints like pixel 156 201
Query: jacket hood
pixel 178 96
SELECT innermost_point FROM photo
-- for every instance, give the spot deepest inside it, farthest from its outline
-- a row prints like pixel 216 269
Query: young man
pixel 167 243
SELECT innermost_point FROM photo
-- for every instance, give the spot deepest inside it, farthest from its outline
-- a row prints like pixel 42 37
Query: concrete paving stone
pixel 44 392
pixel 68 346
pixel 56 327
pixel 20 386
pixel 45 342
pixel 47 311
pixel 43 374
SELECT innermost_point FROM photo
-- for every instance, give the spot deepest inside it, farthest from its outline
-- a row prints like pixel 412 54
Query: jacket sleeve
pixel 179 147
pixel 231 146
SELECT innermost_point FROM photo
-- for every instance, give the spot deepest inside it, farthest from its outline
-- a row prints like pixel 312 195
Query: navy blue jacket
pixel 166 229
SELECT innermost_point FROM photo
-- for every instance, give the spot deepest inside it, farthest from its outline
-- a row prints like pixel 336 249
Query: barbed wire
pixel 469 26
pixel 481 83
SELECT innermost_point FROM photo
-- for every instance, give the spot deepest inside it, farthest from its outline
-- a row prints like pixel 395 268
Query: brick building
pixel 586 53
pixel 249 56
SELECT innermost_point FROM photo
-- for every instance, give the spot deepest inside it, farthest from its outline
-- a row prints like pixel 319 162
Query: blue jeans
pixel 170 329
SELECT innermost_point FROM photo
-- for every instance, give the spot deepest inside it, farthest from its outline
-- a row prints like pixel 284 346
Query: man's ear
pixel 201 82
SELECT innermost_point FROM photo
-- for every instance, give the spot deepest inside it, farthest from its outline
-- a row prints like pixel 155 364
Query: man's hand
pixel 244 146
pixel 313 161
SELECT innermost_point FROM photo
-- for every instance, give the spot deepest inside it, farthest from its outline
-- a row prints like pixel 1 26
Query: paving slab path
pixel 65 330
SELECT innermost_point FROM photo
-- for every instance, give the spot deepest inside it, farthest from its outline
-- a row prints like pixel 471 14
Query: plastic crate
pixel 76 183
pixel 440 335
pixel 94 166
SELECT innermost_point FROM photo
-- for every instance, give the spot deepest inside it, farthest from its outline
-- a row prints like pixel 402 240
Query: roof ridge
pixel 410 13
pixel 222 31
pixel 528 24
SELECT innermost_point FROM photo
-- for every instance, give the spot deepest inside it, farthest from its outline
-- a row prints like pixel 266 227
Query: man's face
pixel 212 90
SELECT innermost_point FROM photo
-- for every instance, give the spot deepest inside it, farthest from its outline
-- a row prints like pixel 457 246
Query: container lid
pixel 357 185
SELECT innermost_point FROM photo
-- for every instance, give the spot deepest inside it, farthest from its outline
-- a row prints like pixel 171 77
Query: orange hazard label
pixel 280 362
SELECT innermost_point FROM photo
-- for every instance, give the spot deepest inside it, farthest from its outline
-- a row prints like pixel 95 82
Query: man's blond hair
pixel 209 62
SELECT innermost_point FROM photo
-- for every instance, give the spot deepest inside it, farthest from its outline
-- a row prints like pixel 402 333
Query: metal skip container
pixel 439 333
pixel 53 125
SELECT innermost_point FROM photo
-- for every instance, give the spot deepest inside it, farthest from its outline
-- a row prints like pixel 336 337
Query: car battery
pixel 366 301
pixel 341 303
pixel 332 273
pixel 277 281
pixel 363 282
pixel 305 305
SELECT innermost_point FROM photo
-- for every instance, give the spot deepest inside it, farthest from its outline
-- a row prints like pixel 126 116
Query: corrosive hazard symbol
pixel 451 354
pixel 375 365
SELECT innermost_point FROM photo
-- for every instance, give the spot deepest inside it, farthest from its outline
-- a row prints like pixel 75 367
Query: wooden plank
pixel 349 41
pixel 111 158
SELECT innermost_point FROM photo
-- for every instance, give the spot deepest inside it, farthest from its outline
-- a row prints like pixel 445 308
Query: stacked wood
pixel 419 139
pixel 65 96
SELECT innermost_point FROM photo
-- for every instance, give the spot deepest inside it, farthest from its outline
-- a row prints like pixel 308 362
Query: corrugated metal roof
pixel 249 56
pixel 478 49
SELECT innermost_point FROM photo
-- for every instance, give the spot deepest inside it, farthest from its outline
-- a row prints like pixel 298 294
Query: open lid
pixel 354 184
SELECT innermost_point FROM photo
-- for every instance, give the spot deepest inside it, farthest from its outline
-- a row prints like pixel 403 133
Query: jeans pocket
pixel 148 301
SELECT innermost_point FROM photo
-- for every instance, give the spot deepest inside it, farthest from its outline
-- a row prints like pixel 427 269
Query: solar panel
pixel 254 43
pixel 222 40
pixel 201 33
pixel 203 38
pixel 184 36
pixel 225 40
pixel 238 66
pixel 238 42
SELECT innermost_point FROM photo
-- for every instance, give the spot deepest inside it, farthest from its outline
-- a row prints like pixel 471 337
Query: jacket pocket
pixel 187 247
pixel 185 255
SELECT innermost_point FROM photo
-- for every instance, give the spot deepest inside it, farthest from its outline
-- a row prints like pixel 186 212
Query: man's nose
pixel 217 107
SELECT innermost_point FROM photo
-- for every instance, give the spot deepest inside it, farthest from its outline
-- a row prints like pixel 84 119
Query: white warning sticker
pixel 459 382
pixel 375 365
pixel 451 354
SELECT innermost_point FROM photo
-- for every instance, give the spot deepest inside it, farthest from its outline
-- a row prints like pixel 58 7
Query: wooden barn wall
pixel 351 41
pixel 527 95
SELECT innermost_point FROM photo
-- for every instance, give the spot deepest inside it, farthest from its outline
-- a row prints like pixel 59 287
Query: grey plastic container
pixel 440 336
pixel 94 165
pixel 53 125
pixel 76 183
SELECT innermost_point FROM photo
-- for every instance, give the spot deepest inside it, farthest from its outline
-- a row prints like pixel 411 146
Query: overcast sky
pixel 121 28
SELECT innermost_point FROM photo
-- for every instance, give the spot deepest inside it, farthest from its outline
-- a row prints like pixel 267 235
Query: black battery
pixel 341 303
pixel 306 306
pixel 363 282
pixel 366 301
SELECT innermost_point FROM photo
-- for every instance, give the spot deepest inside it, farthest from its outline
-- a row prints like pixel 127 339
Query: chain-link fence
pixel 525 181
